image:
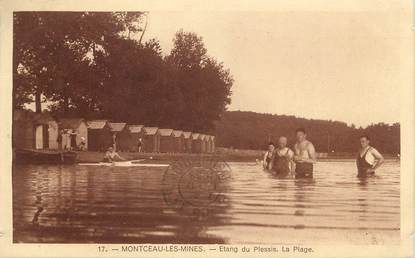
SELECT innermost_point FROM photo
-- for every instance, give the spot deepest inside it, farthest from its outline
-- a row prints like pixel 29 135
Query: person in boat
pixel 304 155
pixel 368 158
pixel 269 156
pixel 111 155
pixel 283 158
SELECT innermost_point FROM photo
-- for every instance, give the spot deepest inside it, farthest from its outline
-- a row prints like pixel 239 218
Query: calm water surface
pixel 84 204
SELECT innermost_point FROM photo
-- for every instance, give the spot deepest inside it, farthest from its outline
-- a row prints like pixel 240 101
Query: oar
pixel 136 161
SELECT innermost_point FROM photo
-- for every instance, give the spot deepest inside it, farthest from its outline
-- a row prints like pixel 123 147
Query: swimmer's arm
pixel 271 161
pixel 296 154
pixel 264 160
pixel 292 163
pixel 108 157
pixel 121 158
pixel 290 154
pixel 270 164
pixel 379 159
pixel 311 153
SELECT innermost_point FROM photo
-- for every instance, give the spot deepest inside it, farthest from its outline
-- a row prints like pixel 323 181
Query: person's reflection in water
pixel 362 200
pixel 198 204
pixel 38 202
pixel 72 198
pixel 303 186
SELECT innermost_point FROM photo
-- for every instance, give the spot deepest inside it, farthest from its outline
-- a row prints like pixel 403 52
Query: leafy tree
pixel 88 63
pixel 203 82
pixel 54 51
pixel 188 51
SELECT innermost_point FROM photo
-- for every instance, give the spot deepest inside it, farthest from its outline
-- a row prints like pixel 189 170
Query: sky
pixel 339 65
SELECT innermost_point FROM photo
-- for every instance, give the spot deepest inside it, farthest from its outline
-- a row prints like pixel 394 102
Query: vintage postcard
pixel 220 129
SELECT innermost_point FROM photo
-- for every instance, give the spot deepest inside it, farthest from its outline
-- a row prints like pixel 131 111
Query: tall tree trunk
pixel 38 103
pixel 65 104
pixel 144 30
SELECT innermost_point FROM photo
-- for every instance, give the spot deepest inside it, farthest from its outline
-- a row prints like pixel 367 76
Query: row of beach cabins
pixel 42 131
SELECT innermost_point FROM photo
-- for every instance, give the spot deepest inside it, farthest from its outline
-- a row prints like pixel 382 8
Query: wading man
pixel 304 155
pixel 283 158
pixel 368 158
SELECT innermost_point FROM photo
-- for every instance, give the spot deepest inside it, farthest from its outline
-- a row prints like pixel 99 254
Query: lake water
pixel 85 204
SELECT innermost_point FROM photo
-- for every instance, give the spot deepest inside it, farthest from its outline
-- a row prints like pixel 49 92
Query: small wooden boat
pixel 25 156
pixel 127 163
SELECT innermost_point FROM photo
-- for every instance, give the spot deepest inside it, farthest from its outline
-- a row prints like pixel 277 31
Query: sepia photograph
pixel 208 128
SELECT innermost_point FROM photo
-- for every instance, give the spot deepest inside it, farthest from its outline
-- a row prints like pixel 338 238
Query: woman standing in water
pixel 283 156
pixel 368 158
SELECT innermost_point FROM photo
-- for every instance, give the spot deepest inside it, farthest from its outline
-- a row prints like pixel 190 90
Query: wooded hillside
pixel 250 130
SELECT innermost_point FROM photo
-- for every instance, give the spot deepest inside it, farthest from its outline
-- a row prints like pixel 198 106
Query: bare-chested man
pixel 304 155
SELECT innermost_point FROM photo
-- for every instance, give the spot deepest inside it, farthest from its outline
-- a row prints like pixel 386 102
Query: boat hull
pixel 124 164
pixel 44 157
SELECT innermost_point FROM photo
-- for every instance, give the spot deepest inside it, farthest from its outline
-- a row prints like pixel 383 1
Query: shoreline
pixel 92 157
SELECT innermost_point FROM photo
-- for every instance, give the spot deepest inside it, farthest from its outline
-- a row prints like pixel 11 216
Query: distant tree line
pixel 96 65
pixel 250 130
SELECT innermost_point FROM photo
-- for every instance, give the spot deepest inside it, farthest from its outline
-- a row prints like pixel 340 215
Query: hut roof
pixel 21 114
pixel 43 117
pixel 195 136
pixel 177 133
pixel 117 127
pixel 187 135
pixel 150 130
pixel 70 123
pixel 97 124
pixel 31 116
pixel 135 128
pixel 166 132
pixel 202 136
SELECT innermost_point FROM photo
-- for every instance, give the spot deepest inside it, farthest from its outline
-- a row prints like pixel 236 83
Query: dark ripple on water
pixel 83 204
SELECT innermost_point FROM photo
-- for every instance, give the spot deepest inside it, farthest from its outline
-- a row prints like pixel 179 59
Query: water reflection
pixel 75 204
pixel 117 205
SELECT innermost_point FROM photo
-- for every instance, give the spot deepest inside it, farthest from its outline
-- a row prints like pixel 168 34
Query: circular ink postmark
pixel 195 181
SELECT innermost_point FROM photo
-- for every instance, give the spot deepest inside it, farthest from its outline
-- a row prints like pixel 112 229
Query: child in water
pixel 269 156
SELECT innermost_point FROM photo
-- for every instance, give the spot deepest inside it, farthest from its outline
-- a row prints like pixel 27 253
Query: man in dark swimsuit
pixel 368 158
pixel 304 155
